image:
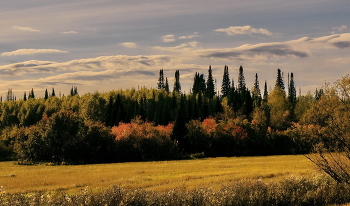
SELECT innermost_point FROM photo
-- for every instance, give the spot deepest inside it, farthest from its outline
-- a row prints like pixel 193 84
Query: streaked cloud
pixel 129 44
pixel 340 28
pixel 26 29
pixel 195 34
pixel 300 48
pixel 70 32
pixel 233 30
pixel 31 51
pixel 168 38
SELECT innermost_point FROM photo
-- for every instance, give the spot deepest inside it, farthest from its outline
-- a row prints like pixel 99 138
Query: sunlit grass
pixel 162 175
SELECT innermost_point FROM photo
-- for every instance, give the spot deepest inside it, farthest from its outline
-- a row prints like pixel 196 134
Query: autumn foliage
pixel 141 140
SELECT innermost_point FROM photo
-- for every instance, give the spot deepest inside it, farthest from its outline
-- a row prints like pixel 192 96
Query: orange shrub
pixel 141 140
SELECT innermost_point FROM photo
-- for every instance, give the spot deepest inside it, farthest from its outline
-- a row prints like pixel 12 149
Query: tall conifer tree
pixel 53 92
pixel 256 92
pixel 31 94
pixel 72 91
pixel 266 94
pixel 241 81
pixel 210 84
pixel 226 83
pixel 161 84
pixel 166 87
pixel 279 80
pixel 292 94
pixel 75 90
pixel 177 85
pixel 46 94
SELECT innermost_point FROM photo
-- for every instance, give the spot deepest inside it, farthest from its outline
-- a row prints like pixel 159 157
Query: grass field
pixel 163 175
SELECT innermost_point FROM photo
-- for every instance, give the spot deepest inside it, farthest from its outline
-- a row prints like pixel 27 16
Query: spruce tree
pixel 279 80
pixel 31 94
pixel 266 94
pixel 75 90
pixel 25 96
pixel 72 91
pixel 292 94
pixel 198 84
pixel 256 92
pixel 53 92
pixel 177 85
pixel 161 84
pixel 195 87
pixel 210 84
pixel 226 83
pixel 166 87
pixel 241 81
pixel 256 85
pixel 233 96
pixel 46 96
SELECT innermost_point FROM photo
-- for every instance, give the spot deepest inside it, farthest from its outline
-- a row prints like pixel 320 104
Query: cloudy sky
pixel 112 44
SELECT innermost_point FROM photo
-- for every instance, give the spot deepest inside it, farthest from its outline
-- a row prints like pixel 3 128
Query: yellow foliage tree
pixel 279 110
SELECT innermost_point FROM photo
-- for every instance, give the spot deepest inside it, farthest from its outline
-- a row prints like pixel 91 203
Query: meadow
pixel 158 176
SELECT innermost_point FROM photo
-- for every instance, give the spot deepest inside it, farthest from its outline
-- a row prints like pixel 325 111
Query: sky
pixel 112 44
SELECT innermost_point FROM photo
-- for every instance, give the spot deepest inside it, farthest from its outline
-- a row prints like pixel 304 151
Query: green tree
pixel 303 104
pixel 226 83
pixel 53 92
pixel 331 114
pixel 75 90
pixel 160 84
pixel 166 87
pixel 279 80
pixel 210 84
pixel 25 96
pixel 199 85
pixel 177 85
pixel 64 137
pixel 31 94
pixel 292 97
pixel 72 91
pixel 292 94
pixel 241 81
pixel 46 96
pixel 279 109
pixel 266 93
pixel 256 92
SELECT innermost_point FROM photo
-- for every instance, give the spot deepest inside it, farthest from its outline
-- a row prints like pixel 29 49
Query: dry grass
pixel 163 175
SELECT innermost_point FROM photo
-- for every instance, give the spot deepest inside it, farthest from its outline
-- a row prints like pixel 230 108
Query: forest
pixel 158 124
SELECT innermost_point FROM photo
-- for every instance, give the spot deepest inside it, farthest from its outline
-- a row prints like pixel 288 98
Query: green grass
pixel 160 176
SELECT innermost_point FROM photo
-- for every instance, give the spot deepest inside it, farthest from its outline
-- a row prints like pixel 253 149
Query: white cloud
pixel 69 32
pixel 26 29
pixel 31 51
pixel 168 38
pixel 195 34
pixel 244 30
pixel 301 48
pixel 129 44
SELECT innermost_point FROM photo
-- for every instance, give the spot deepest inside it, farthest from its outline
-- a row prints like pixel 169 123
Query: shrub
pixel 64 138
pixel 139 141
pixel 227 139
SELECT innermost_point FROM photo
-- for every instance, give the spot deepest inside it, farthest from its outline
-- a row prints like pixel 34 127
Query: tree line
pixel 152 124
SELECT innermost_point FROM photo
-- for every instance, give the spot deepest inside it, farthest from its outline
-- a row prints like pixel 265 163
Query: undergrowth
pixel 290 191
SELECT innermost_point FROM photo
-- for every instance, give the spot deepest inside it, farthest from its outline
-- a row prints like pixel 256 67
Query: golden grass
pixel 162 175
